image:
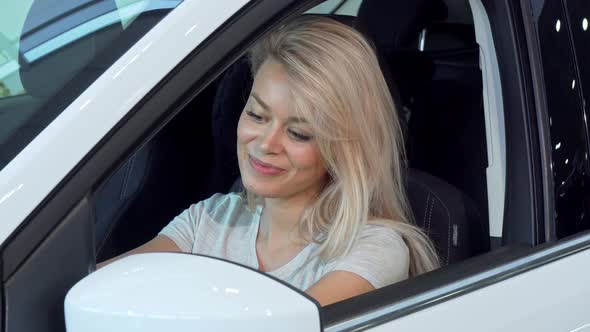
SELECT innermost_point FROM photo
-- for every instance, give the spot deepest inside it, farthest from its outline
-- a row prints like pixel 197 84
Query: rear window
pixel 51 51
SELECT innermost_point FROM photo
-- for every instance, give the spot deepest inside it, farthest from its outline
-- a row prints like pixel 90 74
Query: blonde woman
pixel 321 158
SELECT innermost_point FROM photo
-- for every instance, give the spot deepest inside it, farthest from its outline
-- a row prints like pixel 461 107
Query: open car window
pixel 439 92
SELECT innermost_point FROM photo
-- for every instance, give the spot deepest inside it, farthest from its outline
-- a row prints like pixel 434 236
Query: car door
pixel 48 241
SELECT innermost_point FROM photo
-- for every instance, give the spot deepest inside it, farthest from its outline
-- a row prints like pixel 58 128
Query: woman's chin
pixel 264 190
pixel 262 193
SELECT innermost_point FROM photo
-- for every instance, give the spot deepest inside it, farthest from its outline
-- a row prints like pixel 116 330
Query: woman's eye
pixel 299 137
pixel 254 116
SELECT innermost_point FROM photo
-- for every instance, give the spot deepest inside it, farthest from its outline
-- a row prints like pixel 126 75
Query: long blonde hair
pixel 339 88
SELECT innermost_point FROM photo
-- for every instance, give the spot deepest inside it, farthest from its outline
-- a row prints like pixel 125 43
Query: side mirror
pixel 182 292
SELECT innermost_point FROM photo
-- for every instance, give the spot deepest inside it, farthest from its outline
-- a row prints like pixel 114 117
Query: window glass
pixel 566 118
pixel 51 51
pixel 579 21
pixel 340 7
pixel 578 18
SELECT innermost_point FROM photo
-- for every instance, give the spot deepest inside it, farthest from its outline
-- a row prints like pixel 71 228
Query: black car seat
pixel 447 134
pixel 440 89
pixel 450 217
pixel 447 215
pixel 394 25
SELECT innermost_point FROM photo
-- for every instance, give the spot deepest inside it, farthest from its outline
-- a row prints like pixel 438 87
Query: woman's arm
pixel 379 258
pixel 160 243
pixel 337 286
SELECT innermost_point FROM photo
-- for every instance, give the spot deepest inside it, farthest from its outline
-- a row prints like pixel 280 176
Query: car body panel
pixel 551 297
pixel 527 302
pixel 38 168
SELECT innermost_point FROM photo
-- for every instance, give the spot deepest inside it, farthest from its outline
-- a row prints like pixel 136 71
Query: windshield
pixel 51 51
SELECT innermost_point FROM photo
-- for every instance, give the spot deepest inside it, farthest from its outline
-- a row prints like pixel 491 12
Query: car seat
pixel 440 88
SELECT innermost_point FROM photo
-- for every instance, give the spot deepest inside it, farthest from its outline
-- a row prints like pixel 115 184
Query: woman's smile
pixel 264 168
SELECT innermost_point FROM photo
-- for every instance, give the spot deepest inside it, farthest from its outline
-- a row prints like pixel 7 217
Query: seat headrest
pixel 393 24
pixel 344 19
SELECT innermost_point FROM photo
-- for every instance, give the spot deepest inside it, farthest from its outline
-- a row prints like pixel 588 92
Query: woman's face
pixel 277 152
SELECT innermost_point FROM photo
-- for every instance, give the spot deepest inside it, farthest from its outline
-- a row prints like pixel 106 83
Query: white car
pixel 117 114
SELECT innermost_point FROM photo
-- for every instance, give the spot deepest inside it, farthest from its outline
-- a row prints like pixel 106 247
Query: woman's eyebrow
pixel 267 108
pixel 260 102
pixel 296 119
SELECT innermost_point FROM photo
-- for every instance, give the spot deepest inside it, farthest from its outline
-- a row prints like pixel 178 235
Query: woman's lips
pixel 264 168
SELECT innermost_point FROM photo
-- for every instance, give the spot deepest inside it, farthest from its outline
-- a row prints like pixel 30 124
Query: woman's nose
pixel 270 142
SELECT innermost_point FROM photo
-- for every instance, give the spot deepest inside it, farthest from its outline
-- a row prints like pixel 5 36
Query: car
pixel 117 114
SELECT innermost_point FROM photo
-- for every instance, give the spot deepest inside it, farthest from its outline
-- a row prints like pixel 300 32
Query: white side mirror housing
pixel 180 292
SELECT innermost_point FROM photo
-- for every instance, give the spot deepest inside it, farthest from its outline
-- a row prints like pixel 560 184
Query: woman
pixel 320 155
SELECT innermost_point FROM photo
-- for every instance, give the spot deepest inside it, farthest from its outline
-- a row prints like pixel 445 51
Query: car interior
pixel 430 59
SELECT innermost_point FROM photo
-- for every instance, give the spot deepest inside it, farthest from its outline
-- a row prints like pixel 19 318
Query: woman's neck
pixel 279 223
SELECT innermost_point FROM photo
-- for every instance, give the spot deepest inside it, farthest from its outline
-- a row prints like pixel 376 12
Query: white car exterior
pixel 531 293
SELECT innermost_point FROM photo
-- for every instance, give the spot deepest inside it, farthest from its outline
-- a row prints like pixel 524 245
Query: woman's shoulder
pixel 382 239
pixel 381 231
pixel 380 256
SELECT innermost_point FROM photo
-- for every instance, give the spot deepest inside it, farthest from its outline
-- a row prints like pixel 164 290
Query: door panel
pixel 34 294
pixel 553 297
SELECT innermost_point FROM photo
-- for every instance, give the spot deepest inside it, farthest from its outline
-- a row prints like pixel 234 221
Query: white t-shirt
pixel 224 227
